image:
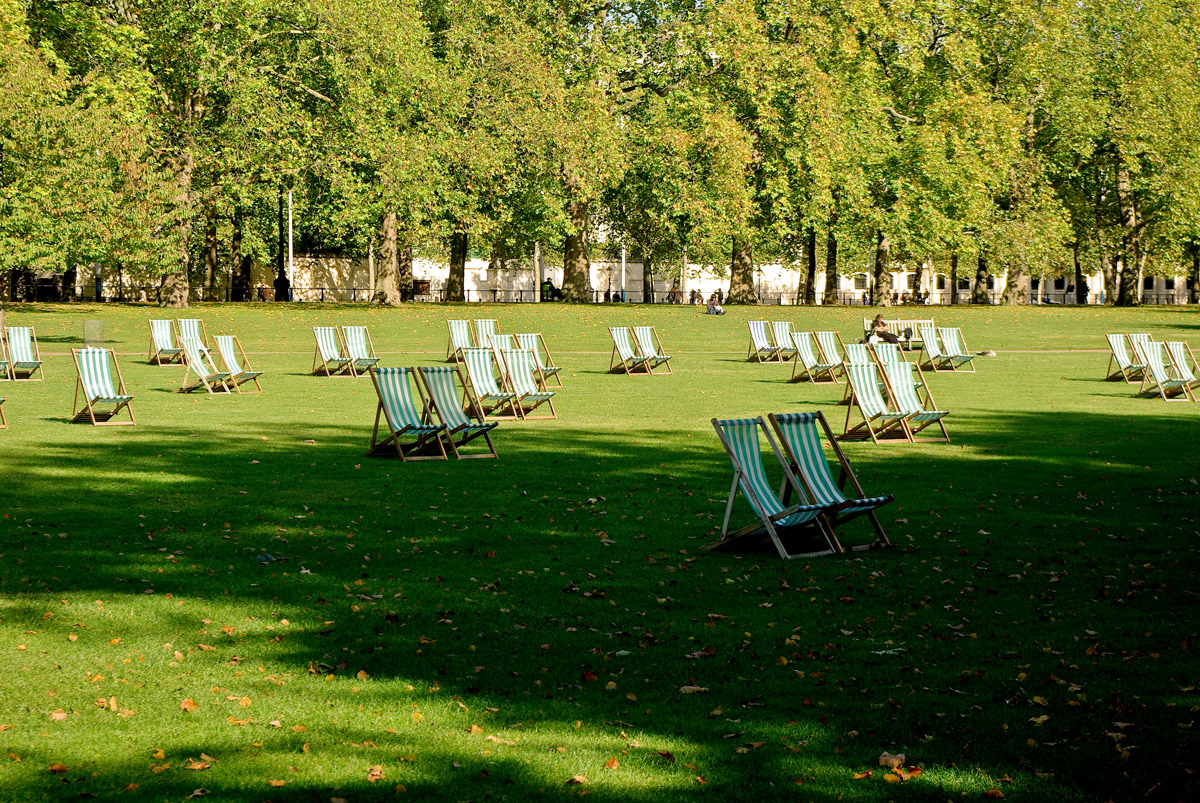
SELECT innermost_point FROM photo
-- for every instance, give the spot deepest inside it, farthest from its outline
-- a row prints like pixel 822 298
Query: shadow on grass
pixel 1035 573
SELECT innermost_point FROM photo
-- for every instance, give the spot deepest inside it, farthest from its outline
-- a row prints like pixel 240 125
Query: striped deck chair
pixel 856 354
pixel 5 363
pixel 162 343
pixel 3 420
pixel 935 358
pixel 234 362
pixel 801 439
pixel 832 348
pixel 761 348
pixel 907 385
pixel 1183 362
pixel 528 383
pixel 444 404
pixel 400 415
pixel 533 341
pixel 624 355
pixel 1157 378
pixel 328 354
pixel 193 328
pixel 485 330
pixel 879 419
pixel 781 334
pixel 1128 369
pixel 484 393
pixel 199 362
pixel 25 359
pixel 95 380
pixel 808 365
pixel 359 348
pixel 786 526
pixel 460 338
pixel 956 349
pixel 650 346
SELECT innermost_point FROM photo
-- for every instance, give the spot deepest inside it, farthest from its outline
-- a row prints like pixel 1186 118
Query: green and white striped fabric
pixel 20 349
pixel 96 377
pixel 1158 372
pixel 761 347
pixel 396 398
pixel 1137 340
pixel 440 380
pixel 808 358
pixel 485 330
pixel 191 328
pixel 904 385
pixel 745 453
pixel 857 354
pixel 1120 354
pixel 828 342
pixel 161 334
pixel 803 441
pixel 229 356
pixel 889 353
pixel 955 350
pixel 621 339
pixel 200 363
pixel 460 335
pixel 358 347
pixel 647 347
pixel 327 344
pixel 929 341
pixel 482 377
pixel 782 334
pixel 529 342
pixel 1183 367
pixel 865 379
pixel 522 371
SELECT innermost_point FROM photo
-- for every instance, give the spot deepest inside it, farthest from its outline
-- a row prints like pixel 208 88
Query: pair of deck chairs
pixel 186 341
pixel 167 336
pixel 944 349
pixel 1167 370
pixel 825 363
pixel 473 334
pixel 891 402
pixel 423 433
pixel 102 398
pixel 770 342
pixel 802 518
pixel 20 358
pixel 637 350
pixel 343 351
pixel 505 380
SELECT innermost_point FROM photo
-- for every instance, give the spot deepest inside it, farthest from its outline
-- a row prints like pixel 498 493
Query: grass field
pixel 229 597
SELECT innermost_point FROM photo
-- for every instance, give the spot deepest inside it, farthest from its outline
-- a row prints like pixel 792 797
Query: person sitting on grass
pixel 714 306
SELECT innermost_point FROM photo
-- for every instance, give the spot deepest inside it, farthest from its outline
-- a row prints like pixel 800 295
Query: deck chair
pixel 460 338
pixel 3 420
pixel 199 362
pixel 533 341
pixel 778 521
pixel 528 383
pixel 233 360
pixel 880 420
pixel 444 404
pixel 935 358
pixel 650 346
pixel 1157 377
pixel 856 354
pixel 163 350
pixel 95 380
pixel 908 388
pixel 5 363
pixel 23 353
pixel 328 354
pixel 485 329
pixel 801 439
pixel 398 411
pixel 1183 362
pixel 1127 368
pixel 808 365
pixel 193 328
pixel 832 350
pixel 624 355
pixel 483 391
pixel 359 348
pixel 762 349
pixel 955 349
pixel 781 334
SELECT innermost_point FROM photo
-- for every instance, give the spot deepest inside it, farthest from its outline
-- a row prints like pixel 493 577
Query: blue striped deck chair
pixel 1127 368
pixel 533 341
pixel 445 405
pixel 856 354
pixel 234 362
pixel 398 410
pixel 762 349
pixel 801 439
pixel 96 383
pixel 880 420
pixel 832 350
pixel 359 348
pixel 781 334
pixel 25 359
pixel 484 393
pixel 955 348
pixel 328 354
pixel 808 365
pixel 485 330
pixel 162 343
pixel 935 358
pixel 624 355
pixel 788 527
pixel 912 396
pixel 194 329
pixel 1183 362
pixel 460 338
pixel 1157 379
pixel 650 346
pixel 199 362
pixel 528 383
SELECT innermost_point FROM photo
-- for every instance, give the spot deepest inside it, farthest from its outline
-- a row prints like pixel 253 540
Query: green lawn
pixel 489 630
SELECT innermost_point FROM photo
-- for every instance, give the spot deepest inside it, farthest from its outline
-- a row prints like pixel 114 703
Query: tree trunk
pixel 979 289
pixel 1016 287
pixel 647 282
pixel 741 274
pixel 405 271
pixel 882 276
pixel 1194 291
pixel 210 252
pixel 387 289
pixel 1131 241
pixel 456 282
pixel 68 286
pixel 954 278
pixel 175 291
pixel 577 267
pixel 810 279
pixel 240 281
pixel 831 276
pixel 1081 290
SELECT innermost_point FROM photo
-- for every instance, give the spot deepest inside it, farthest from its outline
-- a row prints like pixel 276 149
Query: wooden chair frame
pixel 483 330
pixel 631 362
pixel 201 331
pixel 923 410
pixel 781 336
pixel 453 348
pixel 427 435
pixel 120 398
pixel 960 355
pixel 935 358
pixel 649 345
pixel 236 364
pixel 537 344
pixel 1120 349
pixel 359 365
pixel 832 349
pixel 172 353
pixel 342 364
pixel 208 376
pixel 28 367
pixel 536 393
pixel 443 404
pixel 762 345
pixel 1160 382
pixel 3 420
pixel 882 426
pixel 810 371
pixel 477 396
pixel 1183 362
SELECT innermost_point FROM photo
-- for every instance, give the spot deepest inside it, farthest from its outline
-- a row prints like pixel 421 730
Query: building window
pixel 1148 283
pixel 964 284
pixel 1060 283
pixel 1169 284
pixel 1034 283
pixel 912 281
pixel 941 282
pixel 860 282
pixel 991 282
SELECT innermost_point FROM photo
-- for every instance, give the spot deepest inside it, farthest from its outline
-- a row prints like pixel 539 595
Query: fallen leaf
pixel 192 764
pixel 994 793
pixel 858 776
pixel 666 756
pixel 891 761
pixel 158 754
pixel 57 769
pixel 276 783
pixel 474 729
pixel 611 764
pixel 189 705
pixel 692 689
pixel 576 779
pixel 58 716
pixel 375 773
